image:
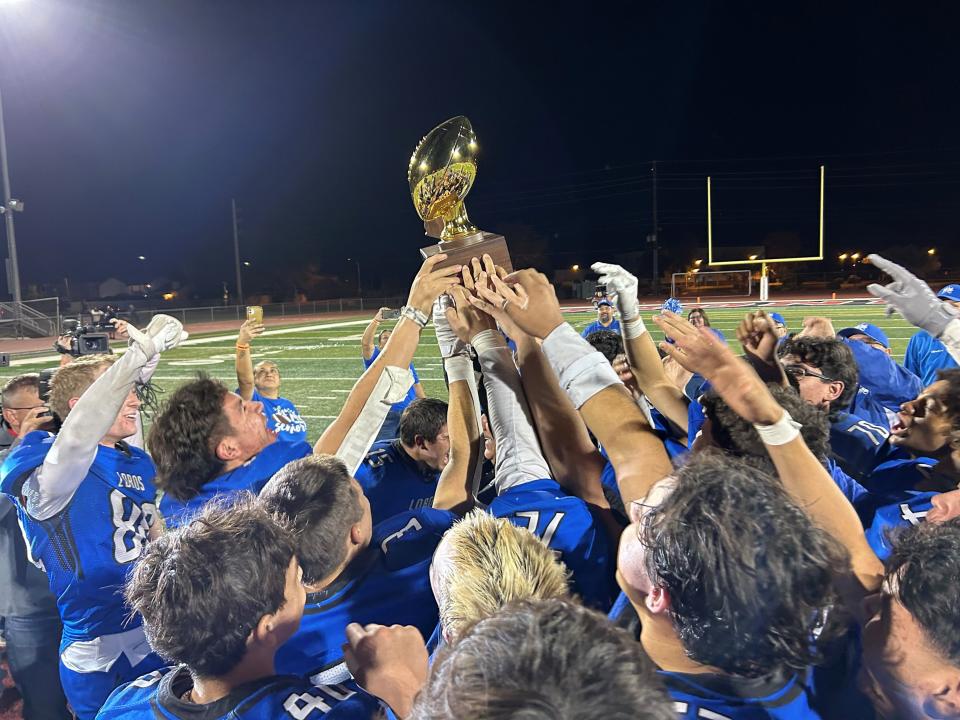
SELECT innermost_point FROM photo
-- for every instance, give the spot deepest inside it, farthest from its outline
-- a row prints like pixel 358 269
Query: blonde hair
pixel 492 563
pixel 72 380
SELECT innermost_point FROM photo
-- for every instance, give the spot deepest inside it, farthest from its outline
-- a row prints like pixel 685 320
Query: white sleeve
pixel 582 370
pixel 50 487
pixel 951 339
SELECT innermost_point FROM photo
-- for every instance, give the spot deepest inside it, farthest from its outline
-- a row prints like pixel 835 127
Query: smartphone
pixel 391 314
pixel 255 313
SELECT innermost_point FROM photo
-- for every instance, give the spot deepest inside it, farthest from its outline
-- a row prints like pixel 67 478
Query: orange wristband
pixel 242 347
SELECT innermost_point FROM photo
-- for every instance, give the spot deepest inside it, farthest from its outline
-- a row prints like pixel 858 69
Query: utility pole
pixel 655 235
pixel 236 252
pixel 9 205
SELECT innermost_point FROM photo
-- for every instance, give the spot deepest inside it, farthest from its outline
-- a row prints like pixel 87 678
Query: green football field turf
pixel 320 362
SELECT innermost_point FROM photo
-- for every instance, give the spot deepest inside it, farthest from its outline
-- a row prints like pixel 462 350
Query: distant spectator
pixel 698 318
pixel 605 319
pixel 780 323
pixel 925 354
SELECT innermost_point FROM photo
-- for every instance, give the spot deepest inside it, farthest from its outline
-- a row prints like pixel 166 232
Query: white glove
pixel 623 285
pixel 450 344
pixel 163 333
pixel 912 298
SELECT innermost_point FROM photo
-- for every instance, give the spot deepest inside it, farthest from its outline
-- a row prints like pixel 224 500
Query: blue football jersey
pixel 860 445
pixel 889 384
pixel 283 417
pixel 722 697
pixel 89 547
pixel 900 474
pixel 925 355
pixel 159 694
pixel 891 512
pixel 564 522
pixel 389 583
pixel 394 482
pixel 251 476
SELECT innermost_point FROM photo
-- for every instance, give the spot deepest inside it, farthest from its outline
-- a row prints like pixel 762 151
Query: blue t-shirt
pixel 394 482
pixel 389 583
pixel 596 325
pixel 283 416
pixel 158 696
pixel 89 547
pixel 925 355
pixel 411 393
pixel 566 524
pixel 250 476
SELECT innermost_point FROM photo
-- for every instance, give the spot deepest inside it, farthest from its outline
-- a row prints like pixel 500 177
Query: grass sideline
pixel 320 362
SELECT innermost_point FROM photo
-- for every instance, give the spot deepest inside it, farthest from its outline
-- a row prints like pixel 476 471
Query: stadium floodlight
pixel 753 259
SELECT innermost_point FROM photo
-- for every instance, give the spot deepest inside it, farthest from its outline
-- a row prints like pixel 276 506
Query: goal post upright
pixel 763 262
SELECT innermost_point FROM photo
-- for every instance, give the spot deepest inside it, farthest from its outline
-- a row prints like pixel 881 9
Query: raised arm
pixel 349 436
pixel 641 352
pixel 52 485
pixel 369 335
pixel 802 474
pixel 249 330
pixel 453 323
pixel 637 455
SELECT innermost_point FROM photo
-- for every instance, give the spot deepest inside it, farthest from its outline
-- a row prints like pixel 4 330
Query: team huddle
pixel 589 527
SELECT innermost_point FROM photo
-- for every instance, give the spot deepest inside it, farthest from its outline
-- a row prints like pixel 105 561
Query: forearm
pixel 397 353
pixel 456 489
pixel 244 362
pixel 366 342
pixel 637 455
pixel 418 390
pixel 647 369
pixel 573 458
pixel 75 446
pixel 812 488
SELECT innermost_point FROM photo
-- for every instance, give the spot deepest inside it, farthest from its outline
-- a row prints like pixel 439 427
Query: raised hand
pixel 818 327
pixel 465 320
pixel 248 331
pixel 431 282
pixel 388 662
pixel 621 283
pixel 162 334
pixel 698 350
pixel 911 297
pixel 757 334
pixel 526 297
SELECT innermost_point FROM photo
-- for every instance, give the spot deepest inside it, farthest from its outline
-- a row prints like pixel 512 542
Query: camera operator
pixel 86 502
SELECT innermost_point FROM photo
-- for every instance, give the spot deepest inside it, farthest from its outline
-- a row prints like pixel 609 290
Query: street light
pixel 141 257
pixel 841 257
pixel 8 207
pixel 246 263
pixel 753 257
pixel 932 251
pixel 575 268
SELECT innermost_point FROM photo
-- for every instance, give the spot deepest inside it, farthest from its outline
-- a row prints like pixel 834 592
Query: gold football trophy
pixel 441 173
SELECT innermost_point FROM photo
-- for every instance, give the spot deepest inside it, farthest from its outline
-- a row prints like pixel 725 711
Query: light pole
pixel 357 262
pixel 7 209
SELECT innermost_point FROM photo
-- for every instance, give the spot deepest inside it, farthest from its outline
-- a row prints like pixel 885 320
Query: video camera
pixel 84 340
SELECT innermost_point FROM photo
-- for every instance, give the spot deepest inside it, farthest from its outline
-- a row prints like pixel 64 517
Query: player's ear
pixel 356 534
pixel 657 600
pixel 227 450
pixel 835 389
pixel 419 441
pixel 72 401
pixel 263 631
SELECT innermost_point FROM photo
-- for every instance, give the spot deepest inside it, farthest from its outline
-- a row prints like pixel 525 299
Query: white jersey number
pixel 130 531
pixel 533 521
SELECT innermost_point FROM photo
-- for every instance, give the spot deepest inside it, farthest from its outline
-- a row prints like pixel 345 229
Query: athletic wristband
pixel 488 340
pixel 242 347
pixel 784 430
pixel 582 371
pixel 458 367
pixel 411 313
pixel 633 328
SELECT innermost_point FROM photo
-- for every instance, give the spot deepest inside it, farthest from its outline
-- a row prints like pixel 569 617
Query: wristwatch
pixel 411 313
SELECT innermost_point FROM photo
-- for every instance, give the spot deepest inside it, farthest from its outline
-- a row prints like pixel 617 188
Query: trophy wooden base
pixel 461 250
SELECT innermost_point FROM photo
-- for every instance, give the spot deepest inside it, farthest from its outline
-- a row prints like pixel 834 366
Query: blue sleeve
pixel 914 353
pixel 373 357
pixel 890 383
pixel 24 458
pixel 416 378
pixel 851 489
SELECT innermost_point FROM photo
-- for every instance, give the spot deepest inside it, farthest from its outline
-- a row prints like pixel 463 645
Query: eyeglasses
pixel 32 407
pixel 800 371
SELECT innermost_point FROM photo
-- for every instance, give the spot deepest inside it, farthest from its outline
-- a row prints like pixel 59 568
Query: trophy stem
pixel 459 225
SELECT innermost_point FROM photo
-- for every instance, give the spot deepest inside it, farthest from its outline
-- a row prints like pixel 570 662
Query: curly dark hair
pixel 425 417
pixel 543 660
pixel 831 357
pixel 202 588
pixel 735 435
pixel 923 571
pixel 608 342
pixel 748 573
pixel 951 402
pixel 184 436
pixel 315 498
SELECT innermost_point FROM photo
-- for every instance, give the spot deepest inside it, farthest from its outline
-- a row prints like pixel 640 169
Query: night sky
pixel 132 123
